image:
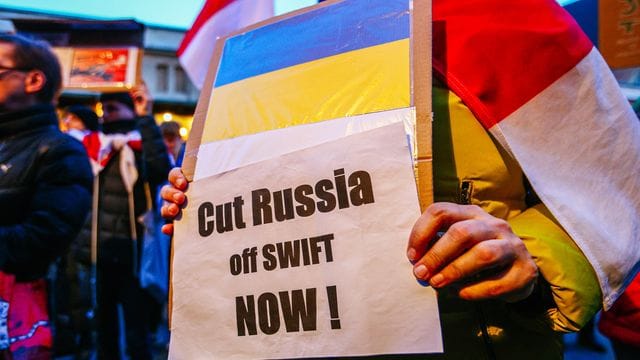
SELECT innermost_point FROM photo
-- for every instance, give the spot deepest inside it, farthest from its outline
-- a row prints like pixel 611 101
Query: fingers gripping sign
pixel 477 253
pixel 174 198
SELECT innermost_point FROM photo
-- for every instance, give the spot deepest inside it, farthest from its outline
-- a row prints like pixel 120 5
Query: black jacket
pixel 45 191
pixel 114 235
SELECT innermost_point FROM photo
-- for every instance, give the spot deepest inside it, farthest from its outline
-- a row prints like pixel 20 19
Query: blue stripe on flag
pixel 332 30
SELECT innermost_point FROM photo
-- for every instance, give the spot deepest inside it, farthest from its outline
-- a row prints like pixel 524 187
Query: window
pixel 162 78
pixel 182 83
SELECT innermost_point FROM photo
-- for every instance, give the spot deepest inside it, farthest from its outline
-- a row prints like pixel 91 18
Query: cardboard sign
pixel 293 241
pixel 337 59
pixel 99 55
pixel 619 35
pixel 303 255
pixel 100 69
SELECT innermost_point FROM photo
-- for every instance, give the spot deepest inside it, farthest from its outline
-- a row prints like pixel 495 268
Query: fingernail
pixel 411 254
pixel 177 197
pixel 437 280
pixel 180 183
pixel 420 271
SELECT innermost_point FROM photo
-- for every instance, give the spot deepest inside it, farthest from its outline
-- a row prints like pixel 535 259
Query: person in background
pixel 70 299
pixel 45 193
pixel 133 162
pixel 79 120
pixel 172 139
pixel 82 123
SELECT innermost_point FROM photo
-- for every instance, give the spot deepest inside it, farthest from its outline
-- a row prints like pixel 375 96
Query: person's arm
pixel 58 206
pixel 484 257
pixel 156 158
pixel 573 282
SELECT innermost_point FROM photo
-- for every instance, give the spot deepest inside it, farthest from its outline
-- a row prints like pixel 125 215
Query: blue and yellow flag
pixel 350 58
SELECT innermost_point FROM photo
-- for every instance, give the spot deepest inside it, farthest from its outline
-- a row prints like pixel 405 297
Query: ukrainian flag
pixel 347 59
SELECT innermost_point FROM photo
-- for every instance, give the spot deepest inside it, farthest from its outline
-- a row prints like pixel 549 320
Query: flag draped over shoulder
pixel 538 85
pixel 216 19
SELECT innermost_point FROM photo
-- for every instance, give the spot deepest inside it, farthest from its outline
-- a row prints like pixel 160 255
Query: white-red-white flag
pixel 538 85
pixel 217 19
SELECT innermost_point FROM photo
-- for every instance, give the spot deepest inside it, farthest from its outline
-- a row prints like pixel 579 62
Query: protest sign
pixel 613 26
pixel 97 55
pixel 99 69
pixel 340 58
pixel 619 35
pixel 324 274
pixel 303 255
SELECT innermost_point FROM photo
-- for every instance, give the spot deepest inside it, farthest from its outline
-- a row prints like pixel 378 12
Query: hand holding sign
pixel 478 253
pixel 173 195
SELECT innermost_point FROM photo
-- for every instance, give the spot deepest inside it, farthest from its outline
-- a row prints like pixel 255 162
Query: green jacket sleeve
pixel 573 282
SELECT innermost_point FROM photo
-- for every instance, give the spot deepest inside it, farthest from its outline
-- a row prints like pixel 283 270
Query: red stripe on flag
pixel 496 57
pixel 209 9
pixel 92 144
pixel 135 145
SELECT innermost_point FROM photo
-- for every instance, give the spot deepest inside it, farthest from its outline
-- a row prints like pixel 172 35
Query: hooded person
pixel 80 120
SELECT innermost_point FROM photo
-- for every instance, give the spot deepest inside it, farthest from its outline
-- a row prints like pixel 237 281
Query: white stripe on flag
pixel 249 149
pixel 578 143
pixel 240 13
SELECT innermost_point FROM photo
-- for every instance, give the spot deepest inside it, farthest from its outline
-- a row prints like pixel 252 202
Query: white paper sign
pixel 303 255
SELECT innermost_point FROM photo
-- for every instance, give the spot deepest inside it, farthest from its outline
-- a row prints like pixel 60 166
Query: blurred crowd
pixel 106 276
pixel 83 256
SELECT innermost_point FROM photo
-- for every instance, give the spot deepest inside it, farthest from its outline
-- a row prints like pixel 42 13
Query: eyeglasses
pixel 5 70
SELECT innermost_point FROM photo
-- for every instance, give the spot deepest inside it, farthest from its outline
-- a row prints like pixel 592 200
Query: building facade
pixel 174 95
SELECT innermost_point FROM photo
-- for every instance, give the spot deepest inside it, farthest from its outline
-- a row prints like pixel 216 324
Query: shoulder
pixel 55 140
pixel 64 154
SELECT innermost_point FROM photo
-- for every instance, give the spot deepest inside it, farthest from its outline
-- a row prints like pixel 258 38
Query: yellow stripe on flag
pixel 367 80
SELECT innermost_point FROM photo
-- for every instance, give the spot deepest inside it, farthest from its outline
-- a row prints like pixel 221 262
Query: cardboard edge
pixel 421 59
